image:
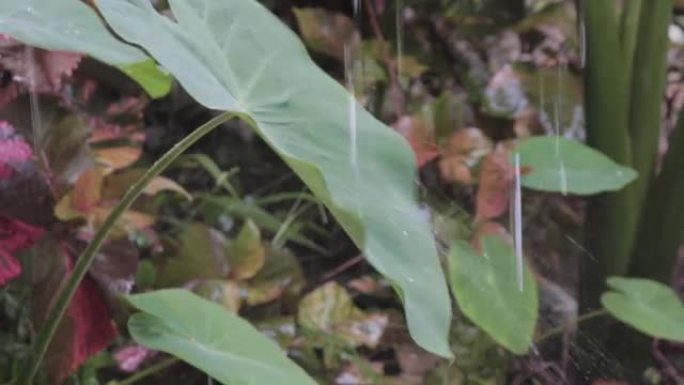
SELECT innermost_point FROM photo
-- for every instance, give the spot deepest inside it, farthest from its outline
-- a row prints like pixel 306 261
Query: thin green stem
pixel 159 366
pixel 56 312
pixel 559 329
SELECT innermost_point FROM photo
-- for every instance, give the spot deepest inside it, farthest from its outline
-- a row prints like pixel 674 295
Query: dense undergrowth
pixel 305 220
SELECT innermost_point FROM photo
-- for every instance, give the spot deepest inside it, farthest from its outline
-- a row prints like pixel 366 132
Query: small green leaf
pixel 235 55
pixel 247 254
pixel 646 305
pixel 551 163
pixel 487 291
pixel 211 339
pixel 330 310
pixel 71 25
pixel 281 276
pixel 201 252
pixel 152 78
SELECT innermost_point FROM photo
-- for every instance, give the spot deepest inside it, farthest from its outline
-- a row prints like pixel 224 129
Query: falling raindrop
pixel 517 213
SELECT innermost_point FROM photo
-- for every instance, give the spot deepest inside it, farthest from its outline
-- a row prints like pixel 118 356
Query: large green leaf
pixel 552 163
pixel 211 338
pixel 71 25
pixel 488 292
pixel 235 55
pixel 648 306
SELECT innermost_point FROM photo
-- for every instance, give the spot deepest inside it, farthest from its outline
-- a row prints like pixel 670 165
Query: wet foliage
pixel 429 225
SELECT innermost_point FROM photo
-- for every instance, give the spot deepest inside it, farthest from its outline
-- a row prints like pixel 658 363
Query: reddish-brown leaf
pixel 40 70
pixel 420 136
pixel 87 190
pixel 87 326
pixel 493 194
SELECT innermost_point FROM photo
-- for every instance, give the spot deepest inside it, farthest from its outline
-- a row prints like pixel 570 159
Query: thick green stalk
pixel 624 109
pixel 611 217
pixel 647 89
pixel 56 312
pixel 629 30
pixel 662 225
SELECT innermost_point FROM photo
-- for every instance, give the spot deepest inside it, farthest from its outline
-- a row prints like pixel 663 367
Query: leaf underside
pixel 211 338
pixel 235 55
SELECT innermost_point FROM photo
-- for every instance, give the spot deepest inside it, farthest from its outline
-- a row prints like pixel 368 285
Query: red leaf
pixel 9 267
pixel 14 236
pixel 90 327
pixel 87 326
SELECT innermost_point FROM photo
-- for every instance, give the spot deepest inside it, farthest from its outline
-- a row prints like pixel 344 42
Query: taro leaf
pixel 646 305
pixel 330 310
pixel 557 164
pixel 201 253
pixel 235 55
pixel 247 253
pixel 211 338
pixel 487 291
pixel 71 25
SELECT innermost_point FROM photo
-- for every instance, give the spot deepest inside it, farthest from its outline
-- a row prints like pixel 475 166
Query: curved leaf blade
pixel 486 289
pixel 646 305
pixel 71 25
pixel 558 164
pixel 235 55
pixel 211 338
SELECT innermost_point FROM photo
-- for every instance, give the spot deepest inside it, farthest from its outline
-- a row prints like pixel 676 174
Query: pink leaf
pixel 14 150
pixel 130 357
pixel 41 70
pixel 14 236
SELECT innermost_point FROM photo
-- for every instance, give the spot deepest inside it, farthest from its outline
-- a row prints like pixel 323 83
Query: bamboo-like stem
pixel 611 217
pixel 662 225
pixel 56 312
pixel 648 74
